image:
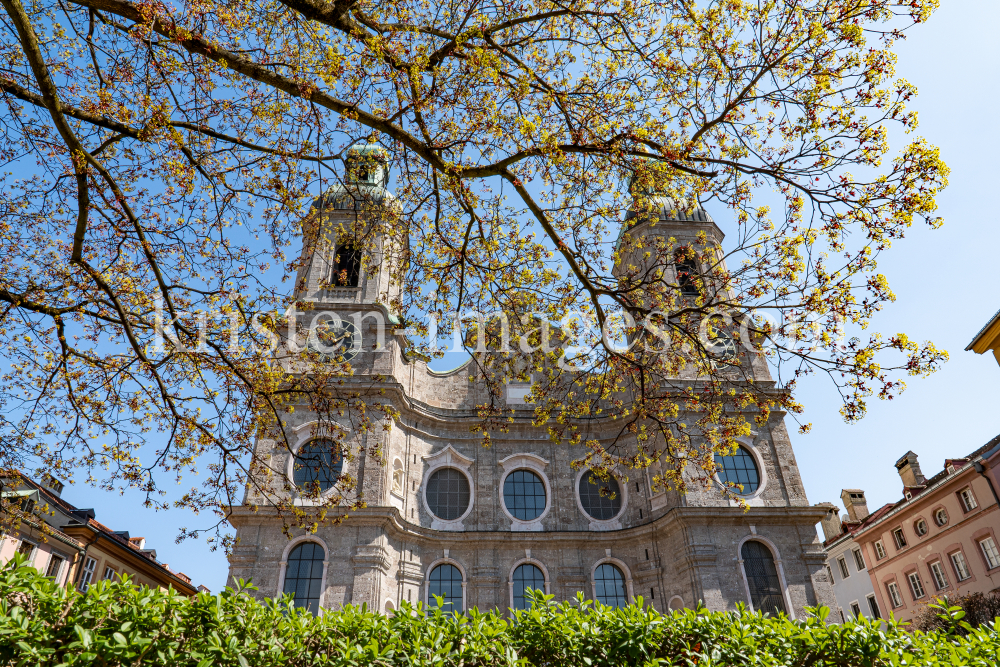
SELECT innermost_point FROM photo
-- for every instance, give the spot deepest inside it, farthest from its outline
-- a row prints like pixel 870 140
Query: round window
pixel 601 499
pixel 447 494
pixel 524 495
pixel 941 516
pixel 920 527
pixel 741 470
pixel 317 465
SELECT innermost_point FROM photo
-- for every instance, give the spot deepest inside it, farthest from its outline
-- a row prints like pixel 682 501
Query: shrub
pixel 117 624
pixel 976 609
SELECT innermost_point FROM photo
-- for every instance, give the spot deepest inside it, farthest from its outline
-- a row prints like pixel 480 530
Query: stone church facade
pixel 447 516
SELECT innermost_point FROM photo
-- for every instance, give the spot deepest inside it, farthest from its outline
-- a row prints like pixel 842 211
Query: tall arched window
pixel 687 277
pixel 446 581
pixel 762 578
pixel 609 586
pixel 304 575
pixel 317 466
pixel 741 469
pixel 346 266
pixel 526 576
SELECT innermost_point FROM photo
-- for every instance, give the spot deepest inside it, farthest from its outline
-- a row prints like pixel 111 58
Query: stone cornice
pixel 392 522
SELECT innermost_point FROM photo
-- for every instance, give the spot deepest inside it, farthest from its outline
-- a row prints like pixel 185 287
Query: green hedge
pixel 118 624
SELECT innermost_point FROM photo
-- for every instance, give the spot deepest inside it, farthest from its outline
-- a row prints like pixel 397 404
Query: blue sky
pixel 946 282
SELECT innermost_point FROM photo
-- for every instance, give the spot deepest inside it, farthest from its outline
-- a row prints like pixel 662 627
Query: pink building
pixel 941 539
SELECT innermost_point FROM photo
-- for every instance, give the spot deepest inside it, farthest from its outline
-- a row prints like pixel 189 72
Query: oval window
pixel 601 499
pixel 524 495
pixel 920 527
pixel 941 516
pixel 740 469
pixel 317 465
pixel 447 494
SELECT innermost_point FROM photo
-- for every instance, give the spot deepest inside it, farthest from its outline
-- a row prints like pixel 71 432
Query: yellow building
pixel 70 545
pixel 988 338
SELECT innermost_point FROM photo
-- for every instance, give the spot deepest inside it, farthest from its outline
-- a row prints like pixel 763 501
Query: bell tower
pixel 351 252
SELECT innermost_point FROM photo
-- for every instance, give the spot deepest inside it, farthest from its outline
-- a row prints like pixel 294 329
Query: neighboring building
pixel 988 338
pixel 845 563
pixel 942 538
pixel 446 516
pixel 73 547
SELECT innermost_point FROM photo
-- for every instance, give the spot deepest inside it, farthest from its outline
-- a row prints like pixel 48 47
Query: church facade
pixel 478 526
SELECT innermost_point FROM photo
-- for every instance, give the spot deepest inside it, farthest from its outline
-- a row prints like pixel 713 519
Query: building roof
pixel 667 209
pixel 986 335
pixel 86 517
pixel 856 527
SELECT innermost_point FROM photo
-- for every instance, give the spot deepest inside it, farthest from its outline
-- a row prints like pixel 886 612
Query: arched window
pixel 609 586
pixel 446 582
pixel 740 468
pixel 346 266
pixel 448 494
pixel 526 576
pixel 524 495
pixel 317 466
pixel 687 277
pixel 304 575
pixel 762 578
pixel 601 499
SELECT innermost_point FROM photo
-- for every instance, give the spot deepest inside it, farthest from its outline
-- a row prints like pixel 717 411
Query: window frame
pixel 844 570
pixel 955 565
pixel 992 559
pixel 526 562
pixel 873 606
pixel 427 484
pixel 109 577
pixel 353 265
pixel 855 609
pixel 759 468
pixel 87 574
pixel 916 527
pixel 687 274
pixel 622 570
pixel 895 597
pixel 937 513
pixel 782 583
pixel 622 498
pixel 55 555
pixel 938 575
pixel 899 538
pixel 916 585
pixel 879 550
pixel 298 490
pixel 859 559
pixel 545 485
pixel 967 497
pixel 431 569
pixel 286 557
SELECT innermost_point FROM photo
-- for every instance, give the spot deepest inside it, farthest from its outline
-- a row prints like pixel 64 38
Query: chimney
pixel 855 503
pixel 52 485
pixel 909 470
pixel 831 522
